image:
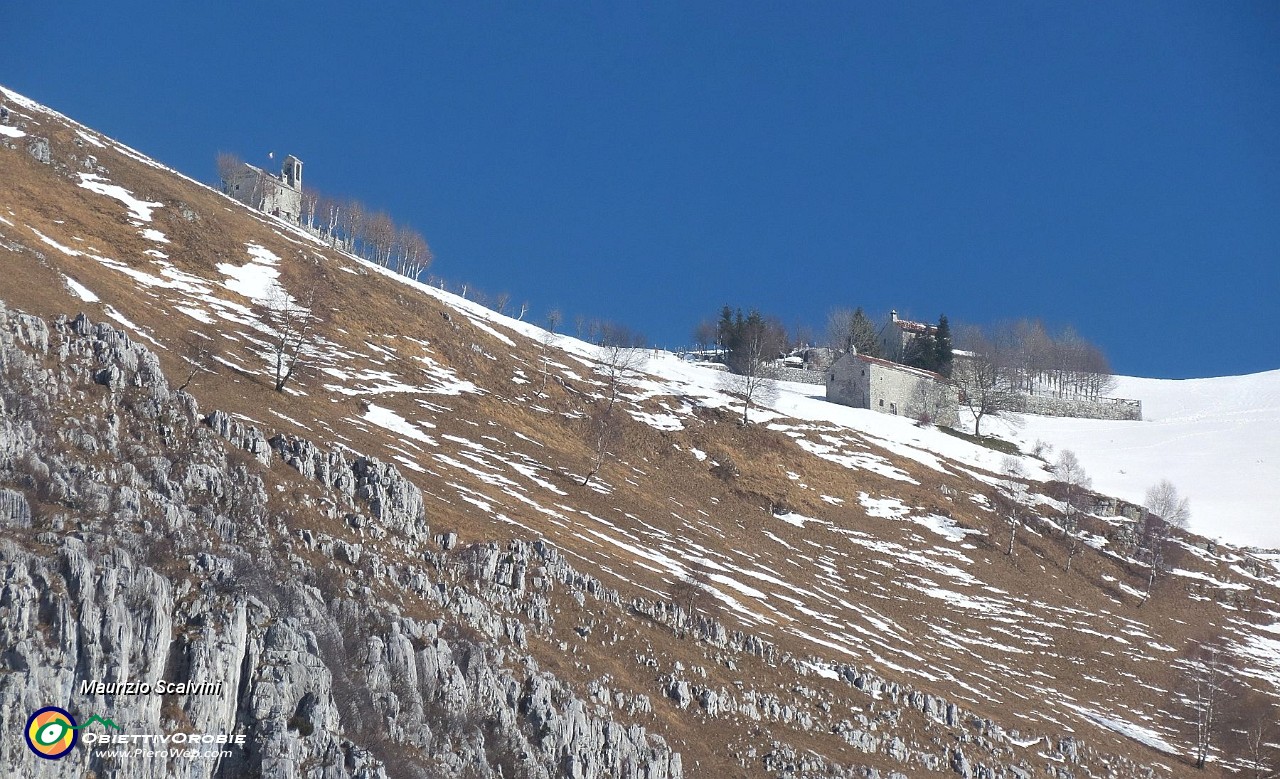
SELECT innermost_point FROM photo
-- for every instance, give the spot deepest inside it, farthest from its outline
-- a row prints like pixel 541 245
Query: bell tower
pixel 292 172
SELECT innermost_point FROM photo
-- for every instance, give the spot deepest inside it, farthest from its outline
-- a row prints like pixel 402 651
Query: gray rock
pixel 168 577
pixel 38 148
pixel 14 510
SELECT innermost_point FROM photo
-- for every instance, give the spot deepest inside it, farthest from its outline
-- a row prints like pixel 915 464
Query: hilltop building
pixel 276 195
pixel 897 334
pixel 880 385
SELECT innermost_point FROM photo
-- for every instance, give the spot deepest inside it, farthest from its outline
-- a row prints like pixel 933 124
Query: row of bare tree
pixel 1038 362
pixel 373 235
pixel 347 224
pixel 995 369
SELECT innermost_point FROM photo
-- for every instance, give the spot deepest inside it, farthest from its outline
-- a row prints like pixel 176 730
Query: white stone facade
pixel 880 385
pixel 897 334
pixel 279 196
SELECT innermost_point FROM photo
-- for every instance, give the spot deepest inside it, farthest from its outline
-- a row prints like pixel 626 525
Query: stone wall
pixel 802 375
pixel 1102 408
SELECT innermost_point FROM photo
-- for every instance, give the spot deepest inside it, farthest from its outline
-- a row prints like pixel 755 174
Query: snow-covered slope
pixel 1215 439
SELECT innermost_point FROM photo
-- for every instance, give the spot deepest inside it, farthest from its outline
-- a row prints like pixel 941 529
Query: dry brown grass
pixel 368 308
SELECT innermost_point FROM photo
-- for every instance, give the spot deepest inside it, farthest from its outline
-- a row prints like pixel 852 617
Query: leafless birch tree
pixel 1075 482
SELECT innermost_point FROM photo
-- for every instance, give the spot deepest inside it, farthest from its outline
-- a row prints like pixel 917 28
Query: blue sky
pixel 1111 166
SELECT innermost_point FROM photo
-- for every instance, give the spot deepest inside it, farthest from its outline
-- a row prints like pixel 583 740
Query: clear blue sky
pixel 1111 165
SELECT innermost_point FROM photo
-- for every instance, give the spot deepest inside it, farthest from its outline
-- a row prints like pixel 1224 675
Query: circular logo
pixel 50 732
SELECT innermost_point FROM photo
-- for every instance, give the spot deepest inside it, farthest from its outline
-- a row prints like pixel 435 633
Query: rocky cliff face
pixel 142 541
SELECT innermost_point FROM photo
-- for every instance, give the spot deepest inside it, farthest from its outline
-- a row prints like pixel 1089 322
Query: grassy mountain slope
pixel 834 583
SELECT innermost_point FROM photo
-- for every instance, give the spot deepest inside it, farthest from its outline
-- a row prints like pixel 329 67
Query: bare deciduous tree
pixel 927 402
pixel 554 318
pixel 705 334
pixel 1075 482
pixel 354 221
pixel 754 344
pixel 852 330
pixel 293 326
pixel 1251 729
pixel 619 352
pixel 1012 497
pixel 380 238
pixel 693 594
pixel 985 382
pixel 415 254
pixel 229 166
pixel 1163 501
pixel 200 354
pixel 1206 690
pixel 310 204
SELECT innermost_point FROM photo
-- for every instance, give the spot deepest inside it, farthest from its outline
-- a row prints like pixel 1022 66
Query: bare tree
pixel 1012 497
pixel 986 382
pixel 753 349
pixel 704 334
pixel 927 402
pixel 327 215
pixel 229 166
pixel 1206 690
pixel 1075 482
pixel 293 325
pixel 200 353
pixel 415 255
pixel 619 352
pixel 554 318
pixel 380 234
pixel 1163 501
pixel 501 301
pixel 1064 365
pixel 1251 730
pixel 692 593
pixel 852 330
pixel 353 224
pixel 310 204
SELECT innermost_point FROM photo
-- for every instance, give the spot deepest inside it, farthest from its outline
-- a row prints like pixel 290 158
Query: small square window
pixel 881 404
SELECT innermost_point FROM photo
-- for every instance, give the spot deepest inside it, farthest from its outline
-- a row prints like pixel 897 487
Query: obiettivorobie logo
pixel 52 732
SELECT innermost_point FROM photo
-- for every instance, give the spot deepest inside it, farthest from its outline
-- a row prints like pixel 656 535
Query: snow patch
pixel 81 291
pixel 390 420
pixel 138 209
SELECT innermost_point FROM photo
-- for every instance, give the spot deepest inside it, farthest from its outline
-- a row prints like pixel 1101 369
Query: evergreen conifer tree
pixel 943 353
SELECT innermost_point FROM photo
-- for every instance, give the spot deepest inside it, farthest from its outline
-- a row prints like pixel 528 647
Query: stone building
pixel 897 334
pixel 279 196
pixel 868 382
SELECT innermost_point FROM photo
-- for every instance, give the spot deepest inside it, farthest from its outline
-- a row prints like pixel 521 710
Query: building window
pixel 893 408
pixel 881 403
